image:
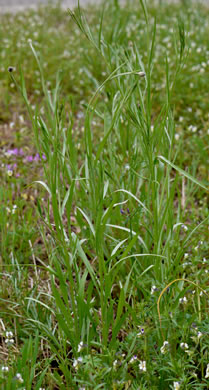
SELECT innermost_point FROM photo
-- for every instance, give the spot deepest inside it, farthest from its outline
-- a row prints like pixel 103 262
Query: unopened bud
pixel 141 74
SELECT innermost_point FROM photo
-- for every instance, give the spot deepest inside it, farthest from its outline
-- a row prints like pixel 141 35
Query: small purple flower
pixel 37 157
pixel 29 158
pixel 14 152
pixel 10 168
pixel 122 211
pixel 141 332
pixel 9 152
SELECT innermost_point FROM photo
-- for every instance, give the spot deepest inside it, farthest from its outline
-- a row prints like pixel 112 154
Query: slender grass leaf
pixel 187 175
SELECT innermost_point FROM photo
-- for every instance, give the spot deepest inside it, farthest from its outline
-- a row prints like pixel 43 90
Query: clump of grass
pixel 116 189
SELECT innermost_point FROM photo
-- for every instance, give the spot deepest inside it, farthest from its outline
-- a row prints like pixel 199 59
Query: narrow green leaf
pixel 88 220
pixel 182 172
pixel 138 201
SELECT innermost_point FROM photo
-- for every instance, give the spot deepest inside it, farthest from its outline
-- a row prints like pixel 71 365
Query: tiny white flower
pixel 153 289
pixel 14 209
pixel 141 332
pixel 11 69
pixel 190 353
pixel 197 335
pixel 80 346
pixel 186 255
pixel 76 362
pixel 207 371
pixel 186 263
pixel 11 125
pixel 133 359
pixel 9 172
pixel 21 119
pixel 176 385
pixel 183 300
pixel 115 363
pixel 164 347
pixel 184 227
pixel 9 342
pixel 142 365
pixel 19 378
pixel 9 335
pixel 5 369
pixel 202 292
pixel 184 346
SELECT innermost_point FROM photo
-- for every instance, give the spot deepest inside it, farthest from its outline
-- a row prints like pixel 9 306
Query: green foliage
pixel 119 196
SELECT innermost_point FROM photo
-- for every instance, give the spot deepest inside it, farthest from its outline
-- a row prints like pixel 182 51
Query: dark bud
pixel 11 69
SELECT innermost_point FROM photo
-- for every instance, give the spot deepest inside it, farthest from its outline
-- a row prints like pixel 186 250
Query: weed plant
pixel 104 210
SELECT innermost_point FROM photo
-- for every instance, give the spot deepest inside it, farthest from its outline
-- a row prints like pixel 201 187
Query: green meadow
pixel 104 172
